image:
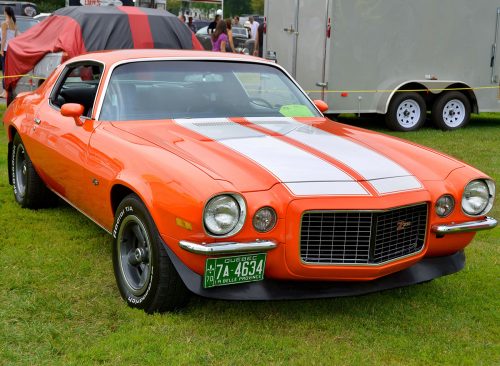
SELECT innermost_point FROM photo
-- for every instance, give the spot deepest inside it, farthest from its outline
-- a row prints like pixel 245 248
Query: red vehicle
pixel 75 30
pixel 218 175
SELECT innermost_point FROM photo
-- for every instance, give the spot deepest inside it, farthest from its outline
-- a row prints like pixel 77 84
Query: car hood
pixel 310 156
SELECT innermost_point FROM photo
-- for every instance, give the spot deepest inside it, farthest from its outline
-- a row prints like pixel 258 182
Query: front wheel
pixel 451 110
pixel 29 189
pixel 407 112
pixel 145 276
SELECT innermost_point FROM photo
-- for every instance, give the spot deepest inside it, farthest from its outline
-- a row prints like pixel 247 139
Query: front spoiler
pixel 425 270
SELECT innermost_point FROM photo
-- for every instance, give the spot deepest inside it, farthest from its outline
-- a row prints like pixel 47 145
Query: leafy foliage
pixel 48 6
pixel 236 7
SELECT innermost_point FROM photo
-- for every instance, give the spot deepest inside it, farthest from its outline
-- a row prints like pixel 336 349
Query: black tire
pixel 29 189
pixel 145 276
pixel 451 111
pixel 407 112
pixel 10 97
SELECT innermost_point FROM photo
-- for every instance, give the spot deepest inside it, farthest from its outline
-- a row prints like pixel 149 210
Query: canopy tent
pixel 78 29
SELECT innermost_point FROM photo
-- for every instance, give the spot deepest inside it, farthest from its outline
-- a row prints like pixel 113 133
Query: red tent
pixel 78 29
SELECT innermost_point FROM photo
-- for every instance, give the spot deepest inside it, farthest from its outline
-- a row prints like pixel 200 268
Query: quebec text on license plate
pixel 232 270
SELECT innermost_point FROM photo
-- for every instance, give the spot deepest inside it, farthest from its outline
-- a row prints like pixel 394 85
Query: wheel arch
pixel 429 89
pixel 11 133
pixel 467 91
pixel 118 192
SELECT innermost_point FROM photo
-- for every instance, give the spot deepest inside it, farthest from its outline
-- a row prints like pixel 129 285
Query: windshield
pixel 149 90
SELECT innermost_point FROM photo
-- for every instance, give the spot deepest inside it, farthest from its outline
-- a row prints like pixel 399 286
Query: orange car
pixel 218 175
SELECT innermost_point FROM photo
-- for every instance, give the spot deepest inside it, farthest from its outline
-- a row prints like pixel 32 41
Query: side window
pixel 79 85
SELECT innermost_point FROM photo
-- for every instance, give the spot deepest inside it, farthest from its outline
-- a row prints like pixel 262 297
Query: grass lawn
pixel 59 303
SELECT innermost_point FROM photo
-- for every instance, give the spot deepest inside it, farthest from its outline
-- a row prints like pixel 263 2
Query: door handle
pixel 37 120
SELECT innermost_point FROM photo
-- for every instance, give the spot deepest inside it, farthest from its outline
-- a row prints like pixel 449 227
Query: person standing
pixel 254 26
pixel 191 25
pixel 236 21
pixel 259 41
pixel 9 31
pixel 219 37
pixel 213 25
pixel 229 29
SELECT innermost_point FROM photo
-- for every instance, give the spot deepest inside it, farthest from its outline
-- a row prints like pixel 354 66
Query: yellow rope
pixel 402 91
pixel 335 91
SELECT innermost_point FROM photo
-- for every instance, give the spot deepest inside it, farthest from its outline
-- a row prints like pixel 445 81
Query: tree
pixel 48 6
pixel 258 6
pixel 236 7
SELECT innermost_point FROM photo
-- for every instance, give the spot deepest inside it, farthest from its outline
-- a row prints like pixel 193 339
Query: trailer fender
pixel 434 87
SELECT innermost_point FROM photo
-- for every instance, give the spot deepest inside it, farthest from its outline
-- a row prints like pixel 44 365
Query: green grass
pixel 59 303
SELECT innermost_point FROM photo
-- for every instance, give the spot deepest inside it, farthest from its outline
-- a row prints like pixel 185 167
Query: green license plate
pixel 232 270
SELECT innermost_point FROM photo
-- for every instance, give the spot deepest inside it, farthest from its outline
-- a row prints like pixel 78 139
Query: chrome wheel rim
pixel 454 113
pixel 408 113
pixel 21 170
pixel 134 250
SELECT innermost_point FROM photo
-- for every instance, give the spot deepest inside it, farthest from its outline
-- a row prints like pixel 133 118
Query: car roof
pixel 22 17
pixel 115 56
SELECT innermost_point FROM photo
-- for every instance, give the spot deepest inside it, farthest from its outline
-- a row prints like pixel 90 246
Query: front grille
pixel 362 237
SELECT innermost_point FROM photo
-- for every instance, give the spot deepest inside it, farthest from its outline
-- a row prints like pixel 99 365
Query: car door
pixel 62 142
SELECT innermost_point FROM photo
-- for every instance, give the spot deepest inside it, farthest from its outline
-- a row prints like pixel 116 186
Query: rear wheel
pixel 451 110
pixel 407 112
pixel 145 276
pixel 10 97
pixel 29 189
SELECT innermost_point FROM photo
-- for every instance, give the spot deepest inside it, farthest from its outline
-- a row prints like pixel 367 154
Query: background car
pixel 216 174
pixel 20 7
pixel 241 40
pixel 42 16
pixel 23 23
pixel 37 53
pixel 198 24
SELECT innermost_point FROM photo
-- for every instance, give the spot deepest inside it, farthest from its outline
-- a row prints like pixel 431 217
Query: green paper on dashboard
pixel 296 110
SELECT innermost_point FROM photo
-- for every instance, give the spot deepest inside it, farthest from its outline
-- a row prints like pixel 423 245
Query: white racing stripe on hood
pixel 303 173
pixel 385 175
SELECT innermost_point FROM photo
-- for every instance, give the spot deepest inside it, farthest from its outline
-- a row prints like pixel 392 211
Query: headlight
pixel 478 197
pixel 264 219
pixel 224 215
pixel 445 205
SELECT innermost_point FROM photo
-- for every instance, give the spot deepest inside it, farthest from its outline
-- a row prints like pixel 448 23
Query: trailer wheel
pixel 406 112
pixel 451 110
pixel 10 97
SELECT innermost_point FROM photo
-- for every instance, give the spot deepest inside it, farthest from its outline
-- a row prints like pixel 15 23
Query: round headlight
pixel 264 219
pixel 224 215
pixel 445 205
pixel 477 198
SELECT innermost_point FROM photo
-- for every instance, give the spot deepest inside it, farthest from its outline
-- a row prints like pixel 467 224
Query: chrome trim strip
pixel 228 247
pixel 486 224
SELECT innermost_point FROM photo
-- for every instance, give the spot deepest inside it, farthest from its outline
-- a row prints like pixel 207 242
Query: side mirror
pixel 321 105
pixel 73 110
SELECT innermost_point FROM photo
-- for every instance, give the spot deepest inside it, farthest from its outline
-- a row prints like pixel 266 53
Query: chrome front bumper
pixel 228 247
pixel 487 223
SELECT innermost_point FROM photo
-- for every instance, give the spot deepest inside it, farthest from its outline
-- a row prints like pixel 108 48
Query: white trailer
pixel 400 58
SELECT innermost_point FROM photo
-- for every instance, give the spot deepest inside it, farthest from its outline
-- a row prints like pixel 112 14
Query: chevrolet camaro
pixel 217 175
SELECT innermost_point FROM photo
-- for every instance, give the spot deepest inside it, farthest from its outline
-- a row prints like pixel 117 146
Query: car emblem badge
pixel 401 225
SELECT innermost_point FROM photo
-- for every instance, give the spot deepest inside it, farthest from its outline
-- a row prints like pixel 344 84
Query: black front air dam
pixel 425 270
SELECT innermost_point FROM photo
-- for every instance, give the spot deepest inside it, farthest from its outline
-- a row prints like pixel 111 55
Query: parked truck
pixel 399 58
